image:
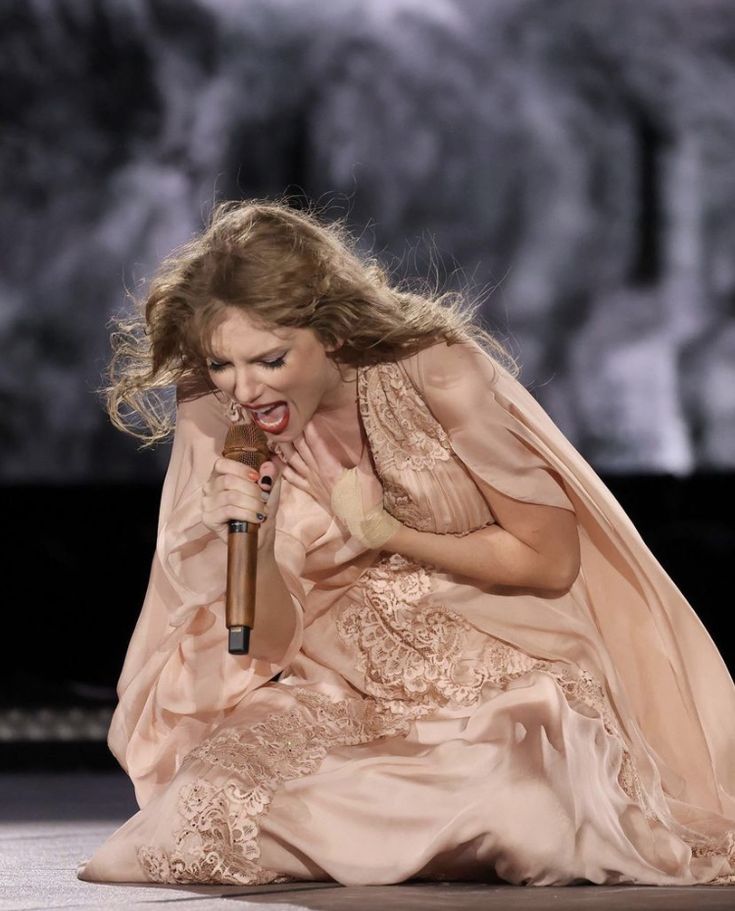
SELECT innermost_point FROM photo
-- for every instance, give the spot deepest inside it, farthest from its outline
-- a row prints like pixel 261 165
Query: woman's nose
pixel 246 390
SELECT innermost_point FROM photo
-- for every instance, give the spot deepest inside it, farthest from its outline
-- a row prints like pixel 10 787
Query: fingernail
pixel 266 479
pixel 261 517
pixel 265 495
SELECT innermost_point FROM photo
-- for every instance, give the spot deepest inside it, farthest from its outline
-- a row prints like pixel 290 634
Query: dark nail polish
pixel 266 479
pixel 261 517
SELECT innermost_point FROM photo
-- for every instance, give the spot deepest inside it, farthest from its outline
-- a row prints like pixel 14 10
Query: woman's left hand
pixel 310 465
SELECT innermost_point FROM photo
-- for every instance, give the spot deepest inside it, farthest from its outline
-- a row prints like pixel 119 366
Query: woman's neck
pixel 343 395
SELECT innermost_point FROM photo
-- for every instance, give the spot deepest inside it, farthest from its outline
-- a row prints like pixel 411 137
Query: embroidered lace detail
pixel 400 504
pixel 409 648
pixel 405 433
pixel 414 656
pixel 583 690
pixel 720 847
pixel 217 840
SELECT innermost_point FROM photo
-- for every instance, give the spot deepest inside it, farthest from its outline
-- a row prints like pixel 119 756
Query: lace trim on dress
pixel 409 648
pixel 403 431
pixel 720 847
pixel 217 839
pixel 410 651
pixel 403 507
pixel 403 434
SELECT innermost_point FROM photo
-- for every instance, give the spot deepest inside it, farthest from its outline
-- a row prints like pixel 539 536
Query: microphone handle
pixel 242 568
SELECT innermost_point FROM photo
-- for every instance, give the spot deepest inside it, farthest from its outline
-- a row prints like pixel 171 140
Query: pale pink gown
pixel 422 726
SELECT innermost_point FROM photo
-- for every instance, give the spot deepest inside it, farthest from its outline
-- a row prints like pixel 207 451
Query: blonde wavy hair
pixel 282 267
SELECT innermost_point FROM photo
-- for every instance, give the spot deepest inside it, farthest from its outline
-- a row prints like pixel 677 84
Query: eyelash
pixel 271 365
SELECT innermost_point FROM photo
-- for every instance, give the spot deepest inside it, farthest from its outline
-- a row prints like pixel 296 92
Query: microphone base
pixel 238 640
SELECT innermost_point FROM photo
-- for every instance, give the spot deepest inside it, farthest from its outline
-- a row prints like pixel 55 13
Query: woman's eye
pixel 271 365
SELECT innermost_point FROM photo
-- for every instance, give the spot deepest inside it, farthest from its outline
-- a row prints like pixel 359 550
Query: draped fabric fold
pixel 624 620
pixel 178 681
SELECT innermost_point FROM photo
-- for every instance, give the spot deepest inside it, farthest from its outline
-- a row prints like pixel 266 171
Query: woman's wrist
pixel 397 541
pixel 372 526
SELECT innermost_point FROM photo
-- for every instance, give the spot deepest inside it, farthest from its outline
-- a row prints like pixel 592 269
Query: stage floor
pixel 50 822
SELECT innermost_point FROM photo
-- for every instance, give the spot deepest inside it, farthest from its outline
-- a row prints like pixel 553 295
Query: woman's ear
pixel 336 346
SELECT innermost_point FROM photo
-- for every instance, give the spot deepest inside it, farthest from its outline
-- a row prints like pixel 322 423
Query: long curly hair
pixel 282 267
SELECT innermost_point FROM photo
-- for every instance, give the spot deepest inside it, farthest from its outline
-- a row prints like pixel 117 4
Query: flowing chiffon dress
pixel 422 726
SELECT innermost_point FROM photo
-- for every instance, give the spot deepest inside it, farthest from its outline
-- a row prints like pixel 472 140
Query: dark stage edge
pixel 50 822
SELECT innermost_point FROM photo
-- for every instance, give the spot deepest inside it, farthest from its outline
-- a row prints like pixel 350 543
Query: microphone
pixel 248 444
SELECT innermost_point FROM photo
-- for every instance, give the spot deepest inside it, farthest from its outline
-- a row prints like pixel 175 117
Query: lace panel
pixel 409 648
pixel 412 653
pixel 403 434
pixel 397 420
pixel 400 504
pixel 217 839
pixel 721 847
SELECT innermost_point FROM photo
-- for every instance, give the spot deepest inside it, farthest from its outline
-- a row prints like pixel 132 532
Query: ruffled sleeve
pixel 463 388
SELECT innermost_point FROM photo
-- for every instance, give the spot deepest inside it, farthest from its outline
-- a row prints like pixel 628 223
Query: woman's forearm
pixel 489 555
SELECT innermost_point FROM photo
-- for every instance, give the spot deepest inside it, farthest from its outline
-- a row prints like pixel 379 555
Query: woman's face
pixel 258 368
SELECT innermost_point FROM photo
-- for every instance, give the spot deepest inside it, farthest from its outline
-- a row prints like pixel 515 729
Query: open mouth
pixel 273 419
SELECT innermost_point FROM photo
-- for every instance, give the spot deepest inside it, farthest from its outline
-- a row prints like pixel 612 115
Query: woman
pixel 466 663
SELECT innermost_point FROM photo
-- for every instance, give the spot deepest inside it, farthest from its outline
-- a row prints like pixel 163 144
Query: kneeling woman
pixel 466 662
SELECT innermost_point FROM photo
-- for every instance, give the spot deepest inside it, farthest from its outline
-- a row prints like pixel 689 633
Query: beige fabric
pixel 423 725
pixel 372 526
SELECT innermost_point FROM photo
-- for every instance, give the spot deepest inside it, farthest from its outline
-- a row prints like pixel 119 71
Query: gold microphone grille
pixel 246 443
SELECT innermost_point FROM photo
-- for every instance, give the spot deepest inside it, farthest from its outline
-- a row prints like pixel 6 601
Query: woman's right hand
pixel 234 491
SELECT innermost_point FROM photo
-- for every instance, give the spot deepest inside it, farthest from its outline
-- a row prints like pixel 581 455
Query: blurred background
pixel 568 161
